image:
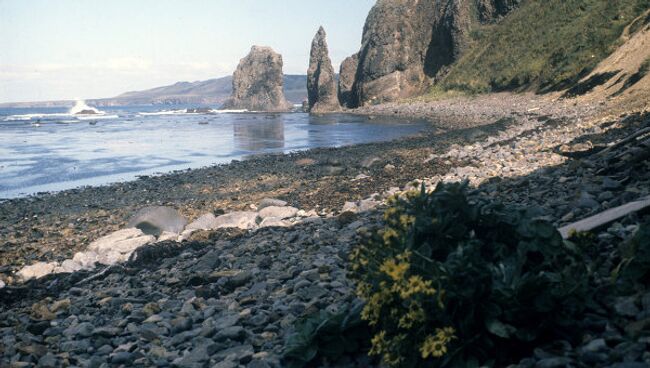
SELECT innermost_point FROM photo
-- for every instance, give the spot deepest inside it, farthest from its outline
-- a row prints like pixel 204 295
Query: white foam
pixel 80 106
pixel 164 112
pixel 26 117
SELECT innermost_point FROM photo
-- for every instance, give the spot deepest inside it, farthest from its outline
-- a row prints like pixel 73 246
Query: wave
pixel 97 117
pixel 80 108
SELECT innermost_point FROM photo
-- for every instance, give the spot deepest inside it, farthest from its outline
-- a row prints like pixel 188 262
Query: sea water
pixel 52 149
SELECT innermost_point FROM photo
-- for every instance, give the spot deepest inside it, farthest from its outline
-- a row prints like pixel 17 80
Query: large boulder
pixel 406 43
pixel 155 220
pixel 321 83
pixel 257 83
pixel 347 75
pixel 118 246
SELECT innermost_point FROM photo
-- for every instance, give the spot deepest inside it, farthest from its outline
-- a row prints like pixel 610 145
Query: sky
pixel 81 49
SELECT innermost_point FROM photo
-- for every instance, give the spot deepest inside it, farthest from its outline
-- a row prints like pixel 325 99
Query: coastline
pixel 246 289
pixel 54 226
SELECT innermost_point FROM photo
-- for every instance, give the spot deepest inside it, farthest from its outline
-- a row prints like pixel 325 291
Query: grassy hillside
pixel 544 45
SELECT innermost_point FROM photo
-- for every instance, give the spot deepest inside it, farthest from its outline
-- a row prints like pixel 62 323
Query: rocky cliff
pixel 321 82
pixel 347 75
pixel 257 83
pixel 407 42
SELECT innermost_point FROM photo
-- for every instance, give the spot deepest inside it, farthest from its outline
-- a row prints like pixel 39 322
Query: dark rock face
pixel 257 83
pixel 395 40
pixel 347 75
pixel 321 84
pixel 408 42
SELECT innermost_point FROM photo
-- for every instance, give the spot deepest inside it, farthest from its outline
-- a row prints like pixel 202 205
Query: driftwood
pixel 605 217
pixel 626 140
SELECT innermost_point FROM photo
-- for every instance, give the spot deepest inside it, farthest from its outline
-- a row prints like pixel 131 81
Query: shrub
pixel 452 283
pixel 326 336
pixel 635 254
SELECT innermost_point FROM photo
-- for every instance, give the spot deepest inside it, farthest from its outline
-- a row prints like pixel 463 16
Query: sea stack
pixel 321 84
pixel 347 74
pixel 258 81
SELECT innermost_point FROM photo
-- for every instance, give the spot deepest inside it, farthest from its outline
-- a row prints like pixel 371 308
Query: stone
pixel 37 270
pixel 116 247
pixel 70 265
pixel 347 74
pixel 274 222
pixel 168 236
pixel 267 202
pixel 258 81
pixel 204 222
pixel 278 212
pixel 84 329
pixel 555 362
pixel 121 357
pixel 242 220
pixel 155 220
pixel 321 83
pixel 86 260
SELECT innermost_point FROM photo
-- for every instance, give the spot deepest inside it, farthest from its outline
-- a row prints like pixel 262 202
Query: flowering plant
pixel 452 283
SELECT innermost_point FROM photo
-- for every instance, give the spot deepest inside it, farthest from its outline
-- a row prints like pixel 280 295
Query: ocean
pixel 54 149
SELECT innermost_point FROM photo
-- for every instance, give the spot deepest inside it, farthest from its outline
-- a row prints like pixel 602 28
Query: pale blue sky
pixel 66 49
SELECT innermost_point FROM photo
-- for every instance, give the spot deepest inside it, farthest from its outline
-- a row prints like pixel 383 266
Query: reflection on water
pixel 257 136
pixel 61 153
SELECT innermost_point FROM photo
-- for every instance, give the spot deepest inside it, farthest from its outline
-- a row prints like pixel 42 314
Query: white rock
pixel 156 219
pixel 360 177
pixel 268 202
pixel 70 265
pixel 86 260
pixel 280 212
pixel 123 242
pixel 2 284
pixel 350 207
pixel 367 205
pixel 205 222
pixel 311 213
pixel 37 270
pixel 167 235
pixel 274 222
pixel 243 220
pixel 186 235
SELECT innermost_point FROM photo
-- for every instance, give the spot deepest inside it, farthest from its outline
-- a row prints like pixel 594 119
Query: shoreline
pixel 54 226
pixel 246 289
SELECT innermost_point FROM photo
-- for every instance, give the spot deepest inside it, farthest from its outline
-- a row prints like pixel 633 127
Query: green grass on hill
pixel 545 45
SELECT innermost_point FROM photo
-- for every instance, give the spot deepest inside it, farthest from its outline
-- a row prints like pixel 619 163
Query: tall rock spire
pixel 321 84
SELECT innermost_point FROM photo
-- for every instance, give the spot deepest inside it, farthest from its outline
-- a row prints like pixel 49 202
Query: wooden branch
pixel 605 217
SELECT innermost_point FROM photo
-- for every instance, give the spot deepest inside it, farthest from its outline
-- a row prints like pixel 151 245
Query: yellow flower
pixel 416 285
pixel 393 269
pixel 413 316
pixel 436 346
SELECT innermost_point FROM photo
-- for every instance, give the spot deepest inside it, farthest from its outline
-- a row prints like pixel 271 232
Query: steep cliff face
pixel 395 40
pixel 257 83
pixel 321 83
pixel 407 42
pixel 347 75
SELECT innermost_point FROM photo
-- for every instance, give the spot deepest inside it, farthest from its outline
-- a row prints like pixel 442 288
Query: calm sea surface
pixel 50 149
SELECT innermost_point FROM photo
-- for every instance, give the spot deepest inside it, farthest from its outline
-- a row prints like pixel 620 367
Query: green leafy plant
pixel 326 336
pixel 542 46
pixel 635 265
pixel 453 283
